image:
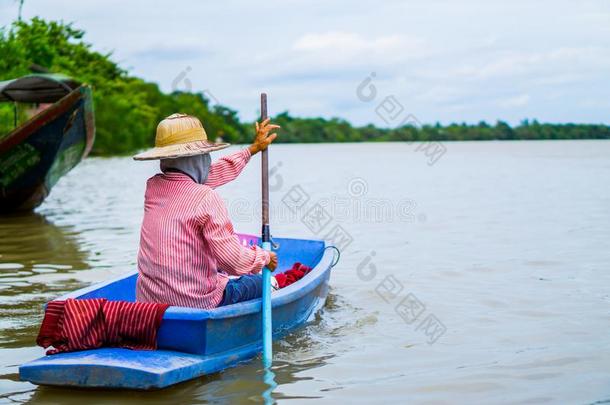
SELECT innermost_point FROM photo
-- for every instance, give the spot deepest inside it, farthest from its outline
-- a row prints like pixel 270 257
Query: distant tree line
pixel 128 108
pixel 338 130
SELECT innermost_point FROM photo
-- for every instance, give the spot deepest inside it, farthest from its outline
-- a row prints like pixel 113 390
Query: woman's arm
pixel 230 255
pixel 229 167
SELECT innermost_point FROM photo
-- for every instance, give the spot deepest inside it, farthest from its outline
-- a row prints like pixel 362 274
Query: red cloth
pixel 73 325
pixel 288 277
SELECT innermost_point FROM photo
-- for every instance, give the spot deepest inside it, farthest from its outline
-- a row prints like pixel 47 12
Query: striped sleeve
pixel 230 255
pixel 227 168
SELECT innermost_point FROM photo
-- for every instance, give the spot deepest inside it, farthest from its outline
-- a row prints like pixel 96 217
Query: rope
pixel 337 256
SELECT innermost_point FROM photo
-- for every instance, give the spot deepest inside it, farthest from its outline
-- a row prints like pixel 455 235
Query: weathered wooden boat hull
pixel 34 156
pixel 192 342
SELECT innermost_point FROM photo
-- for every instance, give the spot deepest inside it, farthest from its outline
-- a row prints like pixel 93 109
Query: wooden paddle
pixel 266 239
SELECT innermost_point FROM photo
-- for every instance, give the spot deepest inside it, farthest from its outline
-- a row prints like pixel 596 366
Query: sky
pixel 380 62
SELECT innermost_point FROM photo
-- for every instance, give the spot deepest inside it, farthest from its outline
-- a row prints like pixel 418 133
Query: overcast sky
pixel 434 60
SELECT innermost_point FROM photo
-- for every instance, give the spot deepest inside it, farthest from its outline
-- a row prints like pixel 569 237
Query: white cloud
pixel 351 49
pixel 348 42
pixel 520 100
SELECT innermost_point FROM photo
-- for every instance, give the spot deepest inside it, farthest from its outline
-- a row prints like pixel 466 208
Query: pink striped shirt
pixel 187 243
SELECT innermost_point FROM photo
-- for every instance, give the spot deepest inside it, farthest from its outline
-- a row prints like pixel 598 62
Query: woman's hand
pixel 263 138
pixel 272 261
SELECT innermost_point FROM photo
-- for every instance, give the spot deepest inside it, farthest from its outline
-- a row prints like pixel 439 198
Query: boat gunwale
pixel 278 298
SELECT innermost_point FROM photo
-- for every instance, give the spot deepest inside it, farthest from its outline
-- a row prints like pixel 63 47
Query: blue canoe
pixel 191 342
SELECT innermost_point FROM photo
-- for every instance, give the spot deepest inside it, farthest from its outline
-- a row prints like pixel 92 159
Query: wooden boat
pixel 55 139
pixel 191 342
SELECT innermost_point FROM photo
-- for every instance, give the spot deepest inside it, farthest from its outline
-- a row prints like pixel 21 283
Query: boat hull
pixel 192 342
pixel 34 156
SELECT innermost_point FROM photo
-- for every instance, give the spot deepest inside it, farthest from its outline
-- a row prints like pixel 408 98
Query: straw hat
pixel 180 135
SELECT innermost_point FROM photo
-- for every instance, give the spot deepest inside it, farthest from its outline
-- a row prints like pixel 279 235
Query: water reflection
pixel 30 244
pixel 269 379
pixel 36 259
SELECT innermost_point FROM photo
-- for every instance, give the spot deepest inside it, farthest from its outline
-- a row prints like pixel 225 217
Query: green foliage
pixel 128 108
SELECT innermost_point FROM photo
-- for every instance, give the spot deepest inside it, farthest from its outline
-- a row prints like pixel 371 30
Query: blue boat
pixel 58 133
pixel 192 342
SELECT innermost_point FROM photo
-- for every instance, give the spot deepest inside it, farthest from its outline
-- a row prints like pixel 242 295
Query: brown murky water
pixel 500 249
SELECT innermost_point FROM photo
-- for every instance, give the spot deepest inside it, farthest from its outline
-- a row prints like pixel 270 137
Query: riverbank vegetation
pixel 128 108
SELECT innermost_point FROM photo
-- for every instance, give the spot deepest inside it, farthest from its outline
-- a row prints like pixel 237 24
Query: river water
pixel 499 251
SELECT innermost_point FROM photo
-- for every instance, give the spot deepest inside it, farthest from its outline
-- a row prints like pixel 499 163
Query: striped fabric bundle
pixel 73 325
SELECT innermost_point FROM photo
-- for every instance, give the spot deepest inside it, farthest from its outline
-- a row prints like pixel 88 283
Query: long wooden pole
pixel 266 239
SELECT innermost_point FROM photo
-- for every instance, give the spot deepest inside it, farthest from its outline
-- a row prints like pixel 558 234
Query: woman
pixel 187 244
